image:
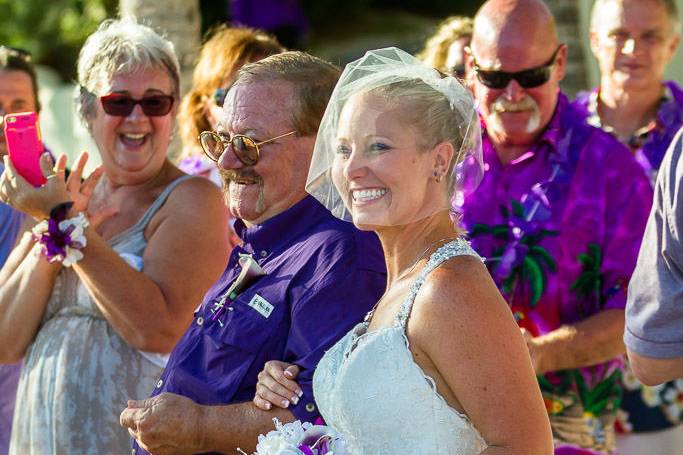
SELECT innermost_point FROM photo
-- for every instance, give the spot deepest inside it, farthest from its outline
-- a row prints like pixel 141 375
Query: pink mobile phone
pixel 24 146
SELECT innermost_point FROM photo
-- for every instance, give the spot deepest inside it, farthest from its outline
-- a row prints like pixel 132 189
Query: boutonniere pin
pixel 250 271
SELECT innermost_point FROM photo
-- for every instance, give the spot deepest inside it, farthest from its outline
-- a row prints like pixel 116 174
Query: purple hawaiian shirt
pixel 322 276
pixel 649 144
pixel 560 229
pixel 646 409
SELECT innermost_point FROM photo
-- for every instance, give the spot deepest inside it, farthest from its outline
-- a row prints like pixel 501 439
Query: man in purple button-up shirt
pixel 301 279
pixel 558 216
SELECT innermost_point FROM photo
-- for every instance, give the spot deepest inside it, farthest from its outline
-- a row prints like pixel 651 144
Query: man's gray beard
pixel 501 106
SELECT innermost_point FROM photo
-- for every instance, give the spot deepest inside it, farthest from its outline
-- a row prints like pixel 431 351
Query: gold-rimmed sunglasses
pixel 245 148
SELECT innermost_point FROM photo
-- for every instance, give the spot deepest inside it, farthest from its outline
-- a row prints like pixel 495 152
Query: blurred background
pixel 53 31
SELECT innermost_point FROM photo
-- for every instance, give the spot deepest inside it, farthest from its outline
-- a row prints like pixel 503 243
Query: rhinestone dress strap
pixel 458 247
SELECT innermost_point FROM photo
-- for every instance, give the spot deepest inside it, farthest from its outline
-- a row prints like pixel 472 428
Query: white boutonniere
pixel 250 271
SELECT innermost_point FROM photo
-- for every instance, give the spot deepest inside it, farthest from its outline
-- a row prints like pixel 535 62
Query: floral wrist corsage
pixel 62 239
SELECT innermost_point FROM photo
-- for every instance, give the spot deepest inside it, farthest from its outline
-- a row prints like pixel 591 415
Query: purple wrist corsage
pixel 62 239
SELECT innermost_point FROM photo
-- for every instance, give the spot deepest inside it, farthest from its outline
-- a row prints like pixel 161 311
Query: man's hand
pixel 166 424
pixel 534 347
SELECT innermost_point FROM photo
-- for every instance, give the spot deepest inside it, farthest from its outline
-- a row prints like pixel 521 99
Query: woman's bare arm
pixel 466 330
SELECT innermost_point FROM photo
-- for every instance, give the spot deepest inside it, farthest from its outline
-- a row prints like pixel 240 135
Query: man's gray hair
pixel 121 46
pixel 669 5
pixel 313 80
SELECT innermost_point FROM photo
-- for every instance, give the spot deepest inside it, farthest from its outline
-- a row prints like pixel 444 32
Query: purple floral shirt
pixel 322 276
pixel 560 228
pixel 649 144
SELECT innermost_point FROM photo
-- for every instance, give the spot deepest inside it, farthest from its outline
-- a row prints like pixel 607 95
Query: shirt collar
pixel 275 233
pixel 594 119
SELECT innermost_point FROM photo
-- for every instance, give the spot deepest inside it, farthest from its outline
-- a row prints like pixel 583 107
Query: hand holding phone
pixel 22 135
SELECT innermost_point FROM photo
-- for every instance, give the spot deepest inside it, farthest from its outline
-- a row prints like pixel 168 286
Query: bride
pixel 439 366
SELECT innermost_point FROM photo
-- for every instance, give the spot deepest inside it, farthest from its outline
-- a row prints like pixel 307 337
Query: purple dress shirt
pixel 649 144
pixel 322 276
pixel 560 228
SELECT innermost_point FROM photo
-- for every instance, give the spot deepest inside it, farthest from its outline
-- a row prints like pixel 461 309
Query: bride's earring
pixel 437 177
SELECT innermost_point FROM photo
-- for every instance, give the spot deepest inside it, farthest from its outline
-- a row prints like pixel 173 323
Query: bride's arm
pixel 463 326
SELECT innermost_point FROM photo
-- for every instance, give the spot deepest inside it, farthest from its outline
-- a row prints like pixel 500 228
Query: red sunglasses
pixel 121 105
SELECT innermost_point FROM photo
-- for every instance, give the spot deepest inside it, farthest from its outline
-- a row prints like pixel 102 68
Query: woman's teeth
pixel 133 138
pixel 367 195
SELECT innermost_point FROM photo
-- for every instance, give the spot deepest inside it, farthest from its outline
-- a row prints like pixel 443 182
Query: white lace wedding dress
pixel 369 388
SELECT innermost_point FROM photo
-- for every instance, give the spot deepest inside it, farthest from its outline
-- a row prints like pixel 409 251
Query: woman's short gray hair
pixel 121 46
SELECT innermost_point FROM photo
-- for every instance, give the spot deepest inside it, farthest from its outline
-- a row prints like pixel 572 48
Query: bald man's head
pixel 511 36
pixel 514 23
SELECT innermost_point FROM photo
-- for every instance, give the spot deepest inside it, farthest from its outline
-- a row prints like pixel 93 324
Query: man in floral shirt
pixel 634 41
pixel 559 216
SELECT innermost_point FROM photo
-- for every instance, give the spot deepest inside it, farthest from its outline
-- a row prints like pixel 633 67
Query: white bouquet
pixel 298 438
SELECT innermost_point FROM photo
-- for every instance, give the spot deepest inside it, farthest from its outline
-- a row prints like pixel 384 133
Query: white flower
pixel 72 256
pixel 285 439
pixel 275 444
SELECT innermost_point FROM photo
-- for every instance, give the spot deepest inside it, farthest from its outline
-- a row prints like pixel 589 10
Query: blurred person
pixel 439 365
pixel 18 93
pixel 445 50
pixel 559 217
pixel 107 282
pixel 300 279
pixel 634 41
pixel 224 52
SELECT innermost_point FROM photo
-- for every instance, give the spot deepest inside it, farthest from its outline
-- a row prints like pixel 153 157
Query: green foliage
pixel 53 31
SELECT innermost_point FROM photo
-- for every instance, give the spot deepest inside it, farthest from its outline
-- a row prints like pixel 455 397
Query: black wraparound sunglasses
pixel 529 78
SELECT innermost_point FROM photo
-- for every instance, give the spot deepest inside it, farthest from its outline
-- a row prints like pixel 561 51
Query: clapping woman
pixel 107 282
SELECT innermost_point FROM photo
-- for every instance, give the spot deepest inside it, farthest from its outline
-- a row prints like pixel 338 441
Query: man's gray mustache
pixel 242 176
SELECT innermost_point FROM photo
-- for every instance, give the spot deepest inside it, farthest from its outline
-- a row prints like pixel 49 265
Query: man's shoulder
pixel 338 240
pixel 593 142
pixel 581 101
pixel 675 90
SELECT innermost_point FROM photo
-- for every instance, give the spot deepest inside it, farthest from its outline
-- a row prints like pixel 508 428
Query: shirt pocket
pixel 249 323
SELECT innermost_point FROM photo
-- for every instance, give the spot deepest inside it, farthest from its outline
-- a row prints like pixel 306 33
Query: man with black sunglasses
pixel 633 42
pixel 559 216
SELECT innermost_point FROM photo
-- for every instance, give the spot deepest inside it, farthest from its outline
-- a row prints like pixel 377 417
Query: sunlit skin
pixel 521 42
pixel 262 110
pixel 16 95
pixel 133 148
pixel 373 151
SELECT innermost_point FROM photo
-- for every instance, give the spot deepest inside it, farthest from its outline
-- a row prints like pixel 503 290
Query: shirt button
pixel 160 383
pixel 264 253
pixel 200 320
pixel 310 407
